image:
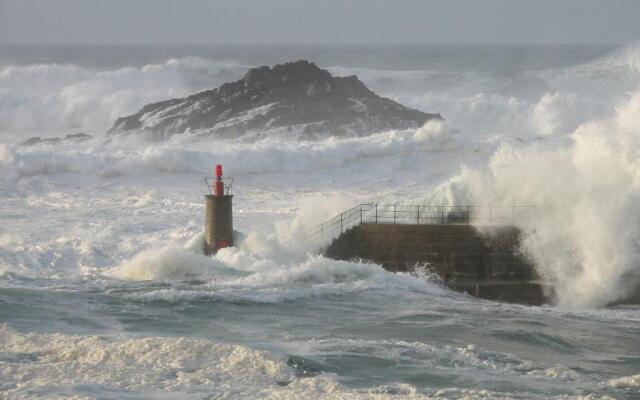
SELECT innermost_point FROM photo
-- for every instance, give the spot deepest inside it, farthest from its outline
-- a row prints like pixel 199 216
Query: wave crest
pixel 586 233
pixel 54 97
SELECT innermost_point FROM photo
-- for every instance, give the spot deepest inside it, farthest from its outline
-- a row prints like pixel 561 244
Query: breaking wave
pixel 48 365
pixel 585 237
pixel 584 183
pixel 632 381
pixel 46 98
pixel 271 155
pixel 115 264
pixel 61 97
pixel 239 275
pixel 539 102
pixel 57 366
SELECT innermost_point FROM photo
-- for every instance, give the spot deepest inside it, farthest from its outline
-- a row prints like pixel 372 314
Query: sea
pixel 105 292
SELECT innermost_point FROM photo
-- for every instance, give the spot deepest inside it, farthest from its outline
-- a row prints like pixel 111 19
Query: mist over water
pixel 105 292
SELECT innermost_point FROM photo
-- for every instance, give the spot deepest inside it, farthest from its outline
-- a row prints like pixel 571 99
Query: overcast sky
pixel 319 21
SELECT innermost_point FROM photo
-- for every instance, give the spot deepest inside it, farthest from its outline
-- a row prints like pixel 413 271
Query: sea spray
pixel 585 237
pixel 227 326
pixel 168 264
pixel 131 156
pixel 301 234
pixel 54 97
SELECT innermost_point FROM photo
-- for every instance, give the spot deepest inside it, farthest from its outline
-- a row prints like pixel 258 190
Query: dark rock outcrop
pixel 293 97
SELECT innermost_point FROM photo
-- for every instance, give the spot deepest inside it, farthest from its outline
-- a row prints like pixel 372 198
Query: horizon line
pixel 321 44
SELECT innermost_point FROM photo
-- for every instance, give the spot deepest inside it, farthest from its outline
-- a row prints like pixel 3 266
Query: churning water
pixel 104 292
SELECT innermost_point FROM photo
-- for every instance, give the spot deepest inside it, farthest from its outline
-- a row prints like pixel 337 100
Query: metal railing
pixel 345 220
pixel 374 213
pixel 228 184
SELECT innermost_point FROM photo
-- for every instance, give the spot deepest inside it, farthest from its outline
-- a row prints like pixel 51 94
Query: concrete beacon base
pixel 218 223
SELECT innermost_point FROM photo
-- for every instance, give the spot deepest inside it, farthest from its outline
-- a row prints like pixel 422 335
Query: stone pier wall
pixel 484 262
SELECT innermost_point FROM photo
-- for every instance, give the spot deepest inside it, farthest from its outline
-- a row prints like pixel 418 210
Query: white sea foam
pixel 274 155
pixel 46 98
pixel 381 164
pixel 584 237
pixel 54 97
pixel 547 102
pixel 632 381
pixel 57 366
pixel 585 234
pixel 169 264
pixel 258 269
pixel 131 210
pixel 237 275
pixel 310 213
pixel 48 365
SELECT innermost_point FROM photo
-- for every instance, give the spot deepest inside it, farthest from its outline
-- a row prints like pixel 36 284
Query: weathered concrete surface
pixel 218 222
pixel 486 263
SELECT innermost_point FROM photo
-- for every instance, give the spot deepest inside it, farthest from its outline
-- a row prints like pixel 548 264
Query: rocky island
pixel 296 97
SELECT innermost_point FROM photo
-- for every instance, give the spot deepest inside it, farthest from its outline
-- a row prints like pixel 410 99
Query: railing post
pixel 448 215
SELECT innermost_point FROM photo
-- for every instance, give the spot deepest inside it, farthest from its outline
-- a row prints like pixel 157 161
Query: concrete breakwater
pixel 485 262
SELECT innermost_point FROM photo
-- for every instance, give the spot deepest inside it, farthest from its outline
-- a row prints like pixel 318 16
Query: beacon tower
pixel 218 215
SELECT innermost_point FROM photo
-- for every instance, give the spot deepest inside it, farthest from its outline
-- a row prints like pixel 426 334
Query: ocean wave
pixel 625 382
pixel 48 365
pixel 271 155
pixel 169 264
pixel 55 97
pixel 584 235
pixel 539 102
pixel 235 275
pixel 57 366
pixel 41 99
